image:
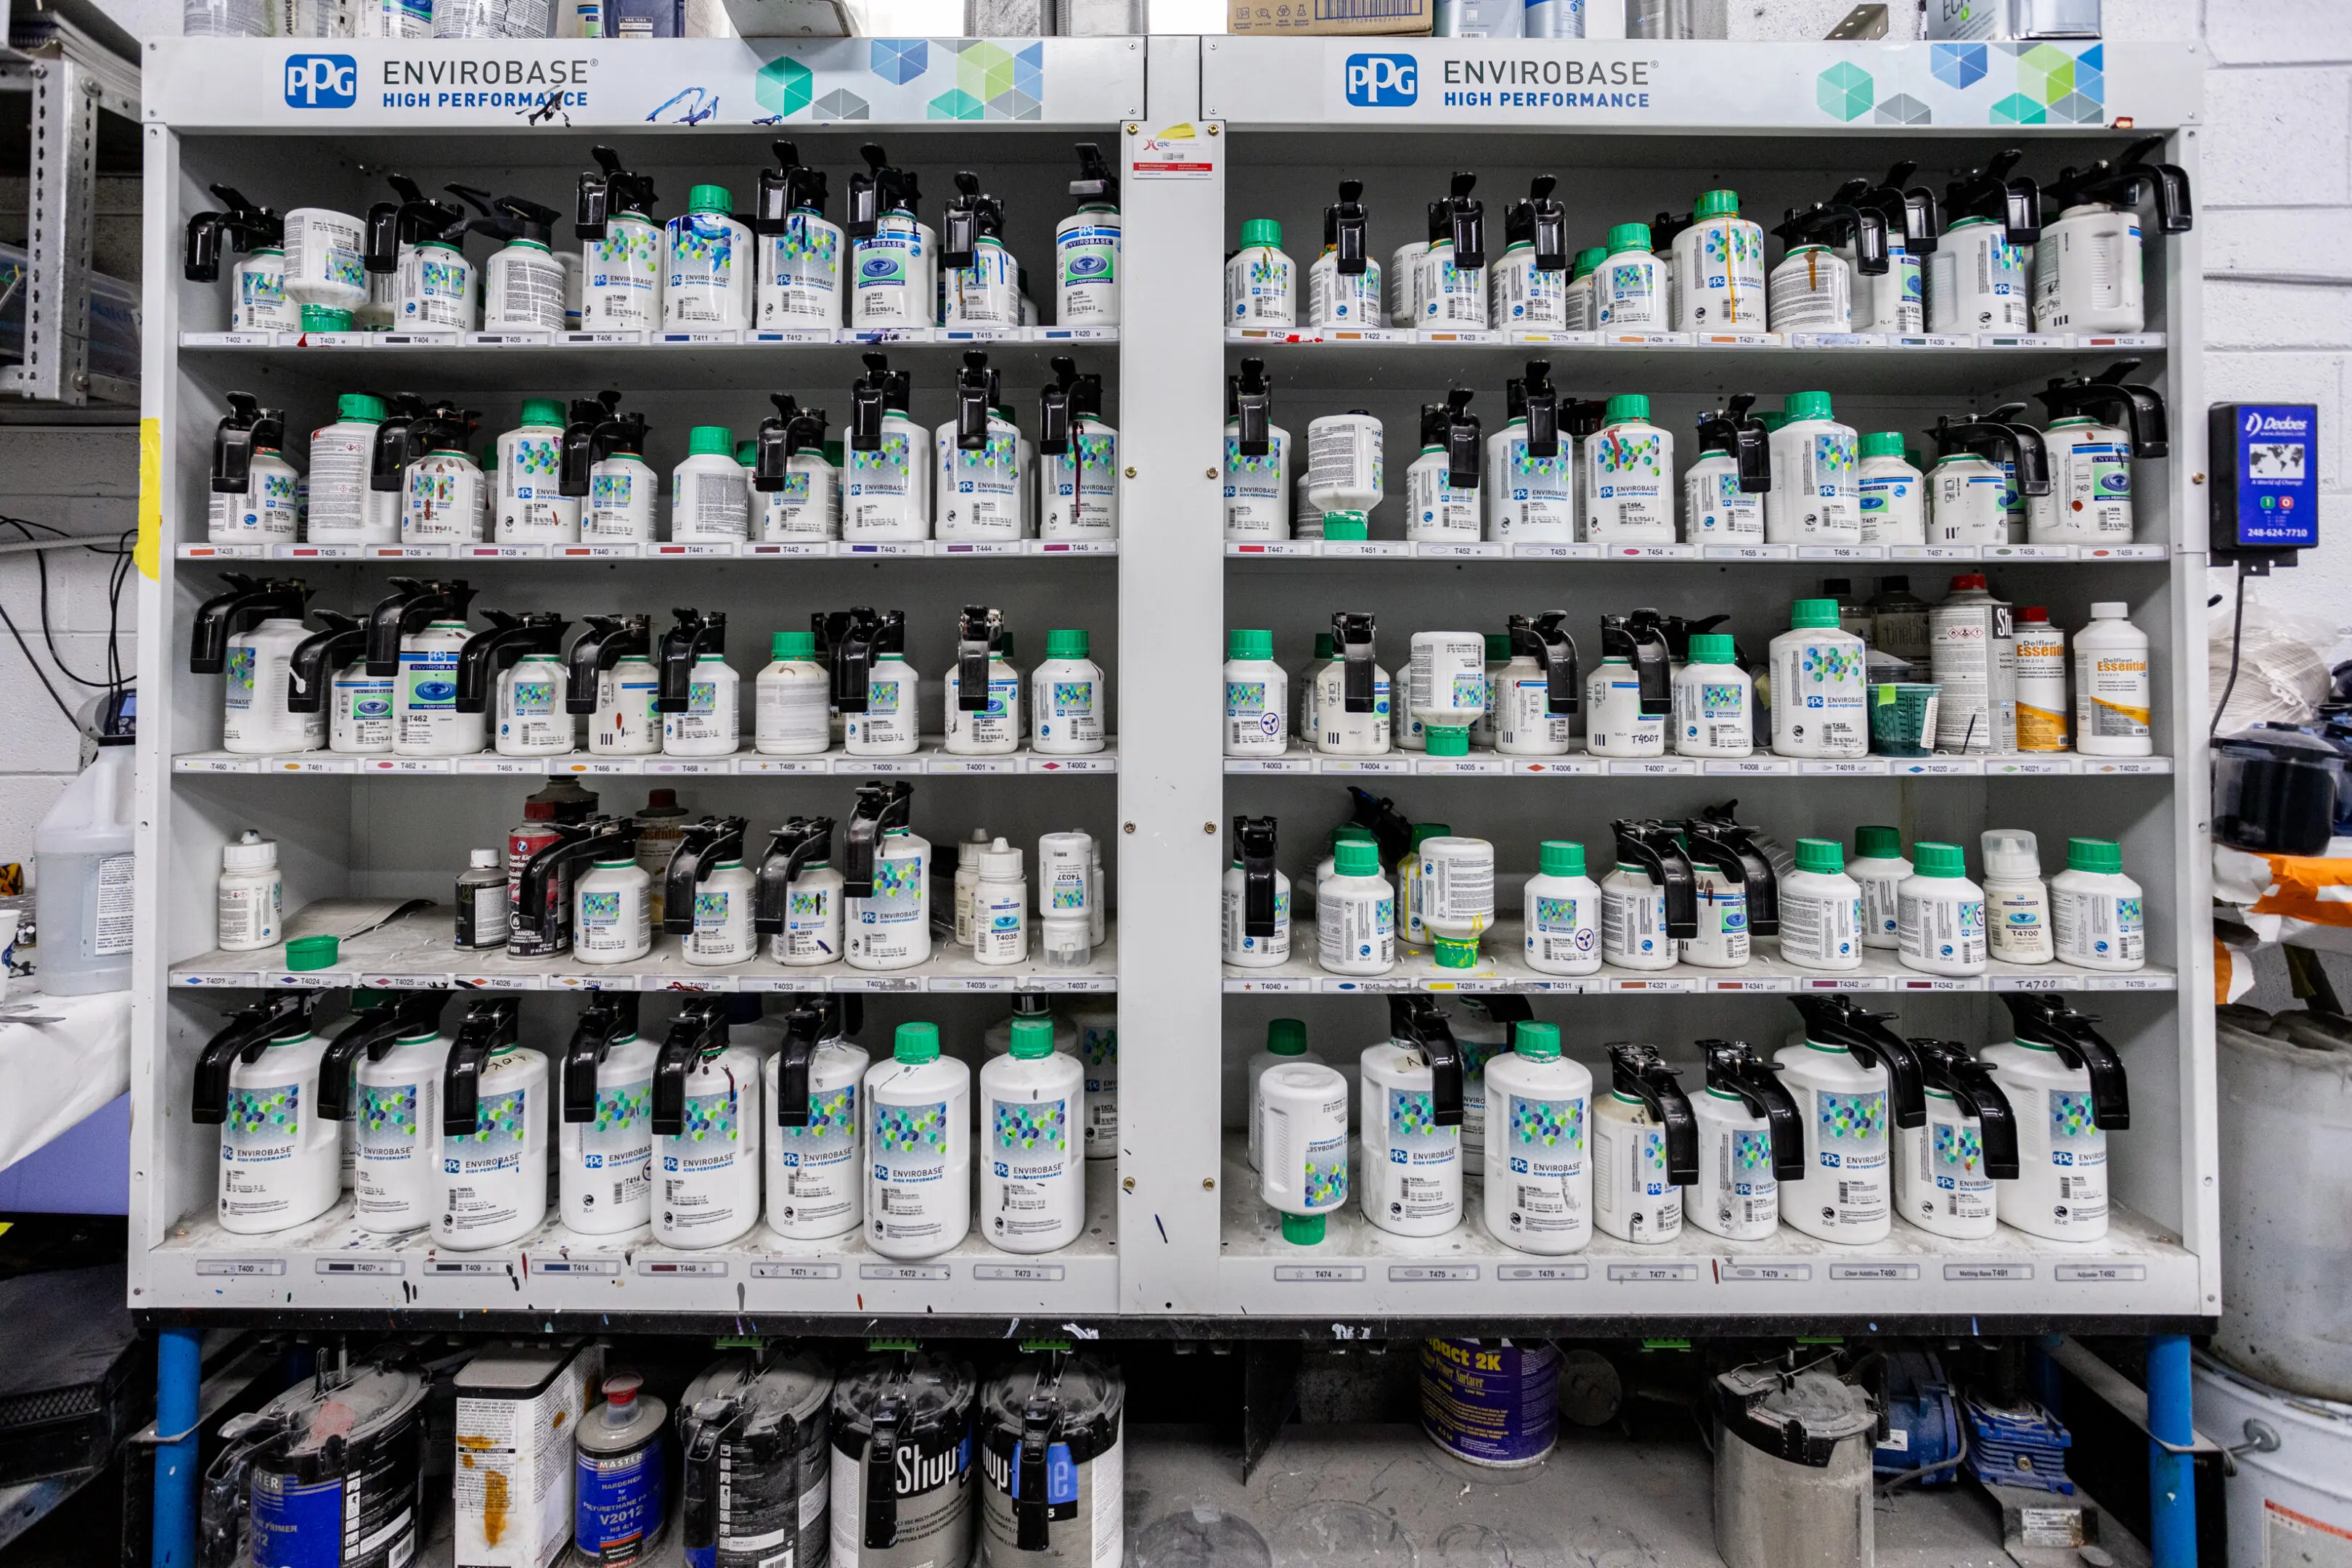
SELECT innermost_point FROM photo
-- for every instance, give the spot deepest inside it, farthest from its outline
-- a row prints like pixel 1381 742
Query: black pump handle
pixel 248 1032
pixel 701 849
pixel 1032 1518
pixel 1351 633
pixel 1420 1023
pixel 487 1025
pixel 610 1017
pixel 792 849
pixel 1734 1065
pixel 699 1026
pixel 803 1032
pixel 1640 1072
pixel 1651 847
pixel 1253 841
pixel 881 1523
pixel 1947 1065
pixel 373 1030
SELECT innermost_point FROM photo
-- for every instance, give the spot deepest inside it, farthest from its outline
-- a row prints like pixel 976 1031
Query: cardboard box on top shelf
pixel 1329 18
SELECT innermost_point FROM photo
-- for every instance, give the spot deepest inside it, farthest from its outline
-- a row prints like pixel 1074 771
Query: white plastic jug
pixel 86 878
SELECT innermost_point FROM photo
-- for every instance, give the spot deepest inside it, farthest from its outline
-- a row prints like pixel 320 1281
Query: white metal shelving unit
pixel 1213 131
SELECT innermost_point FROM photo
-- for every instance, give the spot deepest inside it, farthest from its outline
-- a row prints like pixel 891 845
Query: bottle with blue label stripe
pixel 1085 247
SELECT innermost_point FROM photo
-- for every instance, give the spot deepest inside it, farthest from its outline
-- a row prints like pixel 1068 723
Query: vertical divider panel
pixel 1171 770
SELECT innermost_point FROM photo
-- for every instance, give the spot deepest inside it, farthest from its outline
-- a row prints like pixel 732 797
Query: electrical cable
pixel 2237 633
pixel 118 577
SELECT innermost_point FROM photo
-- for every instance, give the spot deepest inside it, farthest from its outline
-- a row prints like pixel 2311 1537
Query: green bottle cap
pixel 1336 526
pixel 1559 857
pixel 1341 517
pixel 709 199
pixel 325 319
pixel 1422 832
pixel 1711 647
pixel 1445 741
pixel 715 440
pixel 1302 1229
pixel 1540 1042
pixel 1350 832
pixel 915 1043
pixel 1454 952
pixel 1263 231
pixel 1771 422
pixel 1249 645
pixel 1825 855
pixel 1627 406
pixel 1068 643
pixel 793 644
pixel 1498 646
pixel 1932 859
pixel 1911 456
pixel 1717 203
pixel 1807 404
pixel 1878 844
pixel 364 406
pixel 2104 855
pixel 1286 1037
pixel 747 453
pixel 1032 1038
pixel 1629 236
pixel 1883 444
pixel 1586 260
pixel 313 952
pixel 489 461
pixel 1808 613
pixel 541 411
pixel 1355 857
pixel 1324 647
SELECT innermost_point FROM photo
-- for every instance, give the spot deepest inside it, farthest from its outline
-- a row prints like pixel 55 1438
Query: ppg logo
pixel 1382 81
pixel 321 81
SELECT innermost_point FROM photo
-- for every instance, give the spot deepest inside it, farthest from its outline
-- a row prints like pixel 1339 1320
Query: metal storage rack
pixel 1213 131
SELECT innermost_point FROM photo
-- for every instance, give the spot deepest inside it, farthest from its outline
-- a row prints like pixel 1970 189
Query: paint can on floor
pixel 2290 1500
pixel 1491 1402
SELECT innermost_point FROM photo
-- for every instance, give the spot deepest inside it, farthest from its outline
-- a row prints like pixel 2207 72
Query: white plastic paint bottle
pixel 2069 1092
pixel 1967 501
pixel 816 1185
pixel 1032 1180
pixel 1352 693
pixel 707 266
pixel 709 492
pixel 888 483
pixel 1257 458
pixel 256 495
pixel 1538 1182
pixel 1254 900
pixel 1530 484
pixel 1068 697
pixel 1714 701
pixel 1944 1168
pixel 2097 911
pixel 2017 901
pixel 1000 907
pixel 2088 270
pixel 1843 1099
pixel 344 508
pixel 1528 287
pixel 251 901
pixel 445 496
pixel 886 882
pixel 1532 688
pixel 531 509
pixel 1629 289
pixel 1085 247
pixel 425 720
pixel 1942 913
pixel 800 252
pixel 1303 1146
pixel 980 475
pixel 706 1151
pixel 1442 487
pixel 1879 868
pixel 255 717
pixel 1562 912
pixel 604 1169
pixel 1412 1141
pixel 991 724
pixel 393 1124
pixel 1449 688
pixel 2112 702
pixel 1343 286
pixel 1748 1139
pixel 1647 900
pixel 1452 284
pixel 1629 696
pixel 1892 494
pixel 1976 281
pixel 439 289
pixel 1261 284
pixel 494 1173
pixel 1345 474
pixel 1716 508
pixel 1629 477
pixel 801 898
pixel 612 912
pixel 620 252
pixel 1355 913
pixel 1285 1046
pixel 789 700
pixel 280 1161
pixel 722 914
pixel 1644 1149
pixel 1821 910
pixel 1818 685
pixel 1257 696
pixel 711 723
pixel 1453 896
pixel 918 1148
pixel 1811 290
pixel 2090 482
pixel 1719 269
pixel 1816 498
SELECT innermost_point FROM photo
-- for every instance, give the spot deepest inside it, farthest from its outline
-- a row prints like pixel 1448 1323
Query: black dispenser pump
pixel 1835 223
pixel 2033 451
pixel 1545 639
pixel 1838 1021
pixel 1947 1066
pixel 1378 814
pixel 879 391
pixel 1540 221
pixel 407 609
pixel 414 219
pixel 389 456
pixel 2107 397
pixel 510 218
pixel 248 602
pixel 703 848
pixel 608 640
pixel 1731 850
pixel 859 649
pixel 978 630
pixel 1061 407
pixel 793 187
pixel 576 453
pixel 246 429
pixel 1254 847
pixel 244 225
pixel 1465 219
pixel 1998 442
pixel 246 1035
pixel 697 632
pixel 487 654
pixel 1911 211
pixel 1640 639
pixel 970 214
pixel 610 1017
pixel 1345 226
pixel 1991 192
pixel 310 668
pixel 975 386
pixel 2126 183
pixel 1733 1066
pixel 1252 397
pixel 881 806
pixel 542 919
pixel 488 1023
pixel 1733 429
pixel 1656 849
pixel 783 435
pixel 2043 1019
pixel 881 189
pixel 609 191
pixel 1641 1073
pixel 699 1030
pixel 803 1032
pixel 1452 428
pixel 374 1030
pixel 1533 397
pixel 1351 639
pixel 802 842
pixel 1096 181
pixel 1414 1021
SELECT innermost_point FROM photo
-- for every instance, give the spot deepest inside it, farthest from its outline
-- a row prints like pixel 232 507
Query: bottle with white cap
pixel 1000 906
pixel 2111 694
pixel 252 900
pixel 2017 901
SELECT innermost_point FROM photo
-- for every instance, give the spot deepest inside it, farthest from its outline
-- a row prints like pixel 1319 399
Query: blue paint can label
pixel 618 1512
pixel 1490 1401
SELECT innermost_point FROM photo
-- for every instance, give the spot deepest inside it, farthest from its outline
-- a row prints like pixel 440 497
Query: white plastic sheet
pixel 53 1074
